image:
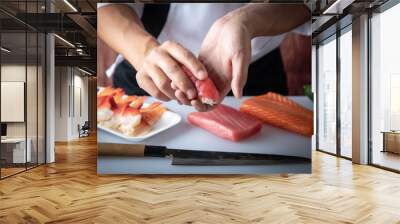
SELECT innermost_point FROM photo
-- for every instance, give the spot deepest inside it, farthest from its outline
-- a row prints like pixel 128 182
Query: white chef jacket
pixel 188 25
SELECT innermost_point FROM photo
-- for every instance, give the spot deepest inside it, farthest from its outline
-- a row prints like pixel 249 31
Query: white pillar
pixel 50 94
pixel 360 90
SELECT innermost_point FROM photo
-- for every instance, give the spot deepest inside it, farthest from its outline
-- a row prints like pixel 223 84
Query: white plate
pixel 167 120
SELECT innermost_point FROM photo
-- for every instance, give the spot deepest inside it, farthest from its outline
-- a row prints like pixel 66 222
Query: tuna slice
pixel 281 112
pixel 226 122
pixel 207 92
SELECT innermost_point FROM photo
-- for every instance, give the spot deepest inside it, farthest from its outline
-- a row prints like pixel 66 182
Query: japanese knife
pixel 195 157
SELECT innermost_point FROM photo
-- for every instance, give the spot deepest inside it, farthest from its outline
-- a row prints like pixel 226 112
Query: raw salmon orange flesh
pixel 281 112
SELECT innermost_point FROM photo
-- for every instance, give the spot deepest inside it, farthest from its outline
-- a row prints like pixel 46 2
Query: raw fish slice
pixel 112 123
pixel 105 107
pixel 129 111
pixel 280 112
pixel 134 101
pixel 135 124
pixel 115 121
pixel 151 106
pixel 120 98
pixel 106 102
pixel 125 114
pixel 152 113
pixel 279 98
pixel 226 122
pixel 206 90
pixel 142 129
pixel 129 120
pixel 287 102
pixel 104 114
pixel 138 102
pixel 100 100
pixel 109 91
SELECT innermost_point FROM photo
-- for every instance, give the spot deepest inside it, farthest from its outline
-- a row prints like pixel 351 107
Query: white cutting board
pixel 270 140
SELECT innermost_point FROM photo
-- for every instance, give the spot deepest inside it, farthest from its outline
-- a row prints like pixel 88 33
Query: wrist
pixel 141 47
pixel 248 18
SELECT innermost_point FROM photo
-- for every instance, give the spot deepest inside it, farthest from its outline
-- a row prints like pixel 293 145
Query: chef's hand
pixel 162 66
pixel 226 54
pixel 226 50
pixel 157 65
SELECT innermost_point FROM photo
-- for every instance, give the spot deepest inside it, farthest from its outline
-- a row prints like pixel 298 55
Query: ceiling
pixel 336 15
pixel 72 20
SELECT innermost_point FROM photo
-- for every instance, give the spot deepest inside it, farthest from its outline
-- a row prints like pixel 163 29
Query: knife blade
pixel 236 162
pixel 196 157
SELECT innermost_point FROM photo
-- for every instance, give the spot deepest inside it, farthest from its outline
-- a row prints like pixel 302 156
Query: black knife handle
pixel 155 151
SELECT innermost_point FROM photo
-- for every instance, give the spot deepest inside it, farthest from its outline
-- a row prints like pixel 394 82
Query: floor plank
pixel 70 191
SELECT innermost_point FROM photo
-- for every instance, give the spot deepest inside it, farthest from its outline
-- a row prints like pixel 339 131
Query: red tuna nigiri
pixel 207 92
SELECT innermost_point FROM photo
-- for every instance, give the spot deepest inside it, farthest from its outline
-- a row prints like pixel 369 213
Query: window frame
pixel 333 37
pixel 378 10
pixel 29 29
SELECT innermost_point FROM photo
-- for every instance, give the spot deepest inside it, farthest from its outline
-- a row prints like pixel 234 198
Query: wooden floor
pixel 5 172
pixel 69 191
pixel 387 159
pixel 10 171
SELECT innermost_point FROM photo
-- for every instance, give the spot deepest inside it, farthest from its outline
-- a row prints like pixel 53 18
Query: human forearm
pixel 122 30
pixel 270 19
pixel 158 66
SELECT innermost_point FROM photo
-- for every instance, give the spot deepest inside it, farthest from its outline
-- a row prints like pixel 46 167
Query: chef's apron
pixel 264 75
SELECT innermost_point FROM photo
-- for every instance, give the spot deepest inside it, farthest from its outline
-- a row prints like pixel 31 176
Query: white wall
pixel 80 97
pixel 70 83
pixel 61 103
pixel 14 73
pixel 33 126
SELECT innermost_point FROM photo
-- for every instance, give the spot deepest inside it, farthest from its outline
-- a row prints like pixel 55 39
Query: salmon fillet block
pixel 281 112
pixel 226 122
pixel 207 92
